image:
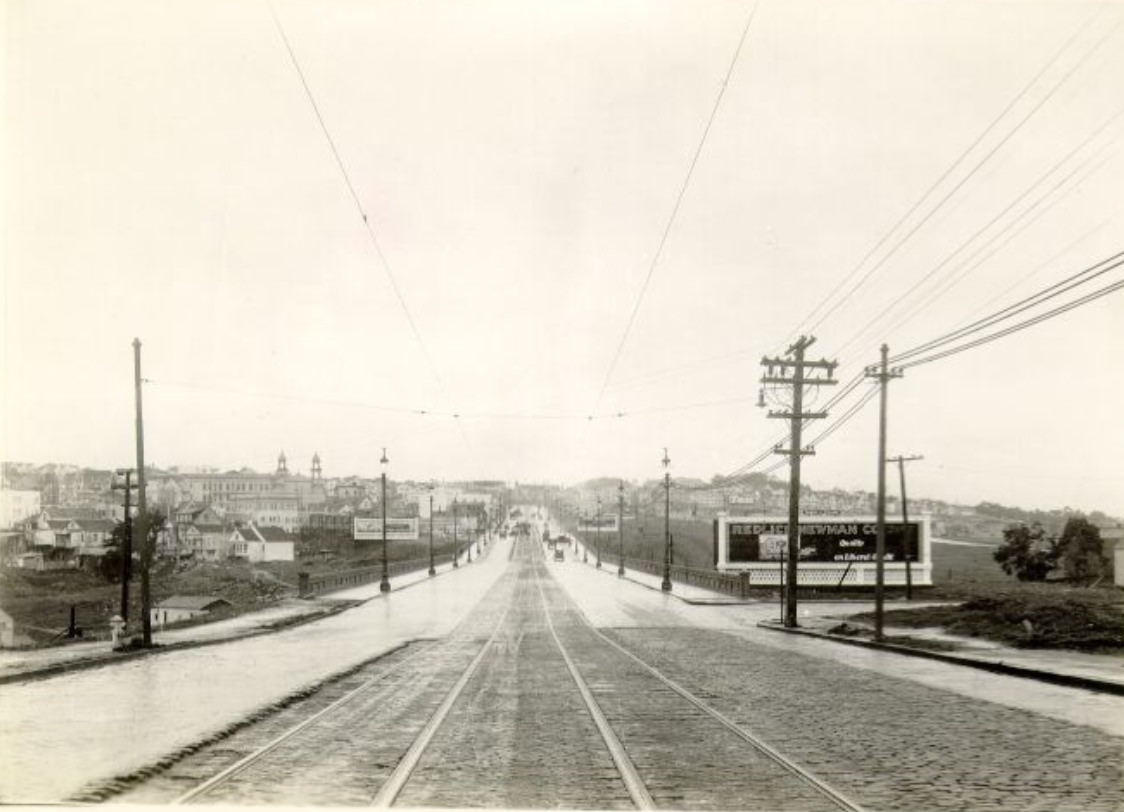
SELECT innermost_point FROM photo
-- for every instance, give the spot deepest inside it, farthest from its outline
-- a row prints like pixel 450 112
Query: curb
pixel 1067 680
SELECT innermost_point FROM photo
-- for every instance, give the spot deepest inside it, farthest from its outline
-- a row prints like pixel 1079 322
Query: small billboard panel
pixel 370 529
pixel 591 524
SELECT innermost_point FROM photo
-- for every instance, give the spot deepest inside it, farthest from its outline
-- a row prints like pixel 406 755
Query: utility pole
pixel 883 373
pixel 141 524
pixel 906 548
pixel 665 585
pixel 803 374
pixel 127 542
pixel 620 530
pixel 456 551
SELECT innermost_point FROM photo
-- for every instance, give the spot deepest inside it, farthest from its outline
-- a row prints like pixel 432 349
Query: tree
pixel 1082 550
pixel 109 567
pixel 1027 552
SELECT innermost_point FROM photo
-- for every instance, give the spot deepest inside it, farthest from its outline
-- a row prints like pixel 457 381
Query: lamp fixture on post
pixel 384 583
pixel 598 532
pixel 432 569
pixel 666 584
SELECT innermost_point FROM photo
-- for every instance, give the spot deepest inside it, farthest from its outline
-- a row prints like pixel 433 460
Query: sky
pixel 542 241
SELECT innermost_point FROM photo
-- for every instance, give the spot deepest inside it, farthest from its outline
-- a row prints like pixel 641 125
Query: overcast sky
pixel 167 177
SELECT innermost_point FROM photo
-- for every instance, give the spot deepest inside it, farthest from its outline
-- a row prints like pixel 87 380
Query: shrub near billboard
pixel 827 545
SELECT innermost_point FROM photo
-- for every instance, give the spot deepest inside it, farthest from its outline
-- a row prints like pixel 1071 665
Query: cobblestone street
pixel 525 704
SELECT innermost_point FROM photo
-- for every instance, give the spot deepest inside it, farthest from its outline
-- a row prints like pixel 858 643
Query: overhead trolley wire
pixel 959 160
pixel 372 237
pixel 675 208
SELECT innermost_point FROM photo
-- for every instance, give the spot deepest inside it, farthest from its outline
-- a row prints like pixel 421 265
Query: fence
pixel 319 582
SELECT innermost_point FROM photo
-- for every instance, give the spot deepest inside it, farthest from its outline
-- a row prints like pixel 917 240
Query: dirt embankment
pixel 1040 616
pixel 40 602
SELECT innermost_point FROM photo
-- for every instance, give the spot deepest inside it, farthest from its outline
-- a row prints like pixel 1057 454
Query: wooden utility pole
pixel 883 373
pixel 140 526
pixel 907 550
pixel 778 375
pixel 665 584
pixel 127 541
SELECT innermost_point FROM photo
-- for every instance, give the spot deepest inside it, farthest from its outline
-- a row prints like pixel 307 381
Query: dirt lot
pixel 40 602
pixel 1050 616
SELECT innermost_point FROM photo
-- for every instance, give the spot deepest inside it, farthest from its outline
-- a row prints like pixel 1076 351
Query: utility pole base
pixel 384 584
pixel 666 585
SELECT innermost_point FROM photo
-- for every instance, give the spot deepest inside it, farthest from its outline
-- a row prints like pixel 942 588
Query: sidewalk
pixel 22 664
pixel 1094 672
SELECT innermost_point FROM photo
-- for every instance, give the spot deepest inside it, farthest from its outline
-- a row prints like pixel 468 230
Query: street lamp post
pixel 666 585
pixel 384 583
pixel 432 569
pixel 620 530
pixel 456 551
pixel 598 532
pixel 585 547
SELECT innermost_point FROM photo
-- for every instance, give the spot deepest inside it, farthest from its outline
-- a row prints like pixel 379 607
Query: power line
pixel 1046 294
pixel 983 229
pixel 1088 54
pixel 1060 310
pixel 675 208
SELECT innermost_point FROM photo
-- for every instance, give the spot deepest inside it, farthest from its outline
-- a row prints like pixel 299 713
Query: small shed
pixel 185 607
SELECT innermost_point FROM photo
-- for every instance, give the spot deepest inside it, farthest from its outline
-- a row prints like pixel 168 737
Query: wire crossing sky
pixel 450 228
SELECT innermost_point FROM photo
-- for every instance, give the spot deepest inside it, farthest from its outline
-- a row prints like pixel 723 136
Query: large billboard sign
pixel 821 541
pixel 827 544
pixel 370 529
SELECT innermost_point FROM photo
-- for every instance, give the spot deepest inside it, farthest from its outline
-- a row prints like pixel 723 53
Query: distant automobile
pixel 559 555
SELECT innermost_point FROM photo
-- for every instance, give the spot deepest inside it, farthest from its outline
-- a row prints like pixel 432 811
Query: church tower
pixel 316 473
pixel 282 466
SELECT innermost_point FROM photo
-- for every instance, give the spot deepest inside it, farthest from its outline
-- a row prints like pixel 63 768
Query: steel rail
pixel 637 790
pixel 821 786
pixel 248 760
pixel 409 762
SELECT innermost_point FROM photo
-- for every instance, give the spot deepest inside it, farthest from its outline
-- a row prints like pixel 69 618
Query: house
pixel 185 607
pixel 265 543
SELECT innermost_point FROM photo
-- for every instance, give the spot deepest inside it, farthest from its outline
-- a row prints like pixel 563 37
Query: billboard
pixel 606 523
pixel 370 529
pixel 834 550
pixel 821 541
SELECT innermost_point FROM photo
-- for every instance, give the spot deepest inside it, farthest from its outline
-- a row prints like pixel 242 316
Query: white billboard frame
pixel 369 528
pixel 820 573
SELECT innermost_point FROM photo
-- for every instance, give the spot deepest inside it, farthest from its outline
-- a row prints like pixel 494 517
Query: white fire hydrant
pixel 116 629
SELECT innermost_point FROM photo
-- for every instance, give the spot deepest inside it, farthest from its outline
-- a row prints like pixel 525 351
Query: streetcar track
pixel 262 752
pixel 637 789
pixel 408 764
pixel 819 785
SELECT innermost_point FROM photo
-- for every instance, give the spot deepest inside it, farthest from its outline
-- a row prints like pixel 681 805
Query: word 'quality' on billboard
pixel 820 541
pixel 370 529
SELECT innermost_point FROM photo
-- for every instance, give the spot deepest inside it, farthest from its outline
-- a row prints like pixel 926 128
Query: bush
pixel 1027 552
